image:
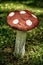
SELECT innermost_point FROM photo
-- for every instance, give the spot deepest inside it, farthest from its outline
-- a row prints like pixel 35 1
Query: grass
pixel 34 42
pixel 6 6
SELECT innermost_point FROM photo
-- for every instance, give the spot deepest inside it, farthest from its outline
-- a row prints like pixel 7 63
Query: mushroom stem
pixel 20 43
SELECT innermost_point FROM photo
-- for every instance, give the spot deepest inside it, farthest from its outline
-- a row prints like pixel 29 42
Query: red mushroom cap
pixel 22 20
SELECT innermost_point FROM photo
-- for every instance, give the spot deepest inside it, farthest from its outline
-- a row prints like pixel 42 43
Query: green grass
pixel 34 41
pixel 6 6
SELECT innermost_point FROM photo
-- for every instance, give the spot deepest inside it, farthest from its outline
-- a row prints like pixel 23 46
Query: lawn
pixel 34 41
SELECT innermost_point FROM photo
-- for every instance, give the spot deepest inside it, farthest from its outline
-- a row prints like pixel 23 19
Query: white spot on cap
pixel 11 14
pixel 15 21
pixel 29 22
pixel 33 15
pixel 22 12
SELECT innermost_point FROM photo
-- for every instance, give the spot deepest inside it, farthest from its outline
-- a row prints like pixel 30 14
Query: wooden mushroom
pixel 23 21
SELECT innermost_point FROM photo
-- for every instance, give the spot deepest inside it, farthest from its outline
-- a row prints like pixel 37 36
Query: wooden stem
pixel 20 43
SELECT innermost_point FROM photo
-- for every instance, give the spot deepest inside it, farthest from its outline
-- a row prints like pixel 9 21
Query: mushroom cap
pixel 22 20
